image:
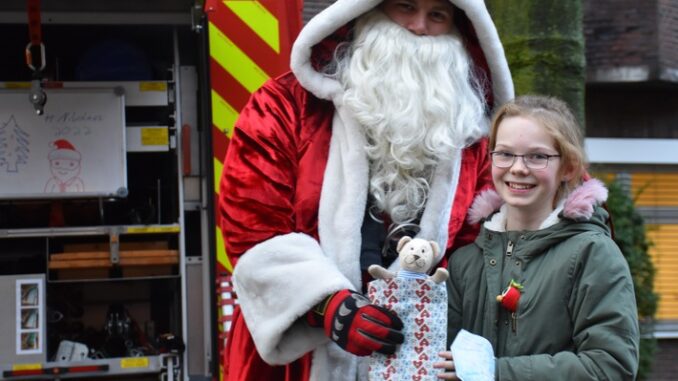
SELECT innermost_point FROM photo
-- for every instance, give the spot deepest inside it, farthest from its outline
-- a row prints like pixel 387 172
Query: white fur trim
pixel 322 25
pixel 502 84
pixel 483 205
pixel 294 263
pixel 343 197
pixel 331 363
pixel 579 204
pixel 68 154
pixel 498 221
pixel 342 11
pixel 436 217
pixel 552 218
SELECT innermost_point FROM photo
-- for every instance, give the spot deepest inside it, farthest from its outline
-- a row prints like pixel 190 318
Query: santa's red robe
pixel 292 200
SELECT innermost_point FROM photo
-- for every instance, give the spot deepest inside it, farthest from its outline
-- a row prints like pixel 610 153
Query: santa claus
pixel 65 167
pixel 378 129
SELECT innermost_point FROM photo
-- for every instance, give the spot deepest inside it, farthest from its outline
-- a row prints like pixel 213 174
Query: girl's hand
pixel 447 365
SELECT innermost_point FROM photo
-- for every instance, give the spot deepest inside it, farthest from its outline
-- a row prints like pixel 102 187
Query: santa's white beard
pixel 416 100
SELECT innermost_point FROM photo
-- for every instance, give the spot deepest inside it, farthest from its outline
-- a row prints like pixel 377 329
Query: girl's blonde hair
pixel 555 116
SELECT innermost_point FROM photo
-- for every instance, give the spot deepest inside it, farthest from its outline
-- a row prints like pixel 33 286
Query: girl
pixel 543 282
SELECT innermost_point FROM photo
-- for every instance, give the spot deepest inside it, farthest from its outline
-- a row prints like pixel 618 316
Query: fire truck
pixel 115 117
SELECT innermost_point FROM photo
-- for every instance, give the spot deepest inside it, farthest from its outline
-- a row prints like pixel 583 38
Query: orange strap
pixel 35 51
pixel 34 27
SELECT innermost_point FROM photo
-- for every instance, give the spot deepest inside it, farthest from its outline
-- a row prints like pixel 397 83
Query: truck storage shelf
pixel 90 231
pixel 139 278
pixel 90 265
pixel 137 93
pixel 126 366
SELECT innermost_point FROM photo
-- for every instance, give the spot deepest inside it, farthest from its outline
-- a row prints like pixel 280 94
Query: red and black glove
pixel 357 325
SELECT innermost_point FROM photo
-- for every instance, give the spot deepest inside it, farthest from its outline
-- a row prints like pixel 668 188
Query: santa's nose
pixel 417 25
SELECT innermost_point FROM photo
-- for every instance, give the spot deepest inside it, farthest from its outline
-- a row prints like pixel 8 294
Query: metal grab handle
pixel 29 57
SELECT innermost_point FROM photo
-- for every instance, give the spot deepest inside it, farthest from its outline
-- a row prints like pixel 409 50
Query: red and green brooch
pixel 509 298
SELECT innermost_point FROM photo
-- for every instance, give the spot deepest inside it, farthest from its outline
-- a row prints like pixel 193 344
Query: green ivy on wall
pixel 630 236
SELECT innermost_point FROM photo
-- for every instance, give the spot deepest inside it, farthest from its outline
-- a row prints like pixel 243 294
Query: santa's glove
pixel 357 325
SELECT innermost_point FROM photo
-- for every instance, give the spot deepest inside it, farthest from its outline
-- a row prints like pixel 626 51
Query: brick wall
pixel 665 366
pixel 312 7
pixel 621 33
pixel 640 36
pixel 668 33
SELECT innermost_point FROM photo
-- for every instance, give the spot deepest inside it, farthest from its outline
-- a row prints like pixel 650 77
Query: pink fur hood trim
pixel 578 204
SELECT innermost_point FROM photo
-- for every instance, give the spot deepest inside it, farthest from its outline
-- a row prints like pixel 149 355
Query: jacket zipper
pixel 509 252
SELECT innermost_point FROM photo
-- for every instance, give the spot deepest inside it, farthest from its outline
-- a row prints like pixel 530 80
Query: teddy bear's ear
pixel 403 241
pixel 435 248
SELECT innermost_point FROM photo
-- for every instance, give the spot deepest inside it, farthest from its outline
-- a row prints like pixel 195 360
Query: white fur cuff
pixel 277 282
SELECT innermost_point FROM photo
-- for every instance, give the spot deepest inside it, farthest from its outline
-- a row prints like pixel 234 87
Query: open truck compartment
pixel 103 214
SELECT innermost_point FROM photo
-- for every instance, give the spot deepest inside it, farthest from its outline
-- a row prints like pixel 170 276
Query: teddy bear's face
pixel 417 255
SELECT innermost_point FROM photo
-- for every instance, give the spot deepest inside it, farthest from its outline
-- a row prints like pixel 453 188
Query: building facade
pixel 631 128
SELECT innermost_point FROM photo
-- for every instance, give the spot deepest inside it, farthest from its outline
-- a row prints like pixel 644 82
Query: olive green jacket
pixel 576 317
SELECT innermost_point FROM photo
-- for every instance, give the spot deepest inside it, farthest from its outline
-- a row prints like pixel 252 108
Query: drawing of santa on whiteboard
pixel 64 163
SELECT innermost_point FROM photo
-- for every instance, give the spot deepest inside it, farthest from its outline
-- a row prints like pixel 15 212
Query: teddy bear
pixel 416 257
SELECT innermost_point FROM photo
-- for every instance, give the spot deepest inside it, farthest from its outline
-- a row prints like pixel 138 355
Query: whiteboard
pixel 75 149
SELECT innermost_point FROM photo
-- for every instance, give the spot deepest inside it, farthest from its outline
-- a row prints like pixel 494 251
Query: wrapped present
pixel 421 304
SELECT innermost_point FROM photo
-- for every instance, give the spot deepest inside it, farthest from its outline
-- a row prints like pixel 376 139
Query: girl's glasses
pixel 502 159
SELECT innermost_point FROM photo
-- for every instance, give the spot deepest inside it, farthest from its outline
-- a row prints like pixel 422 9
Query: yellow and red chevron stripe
pixel 249 42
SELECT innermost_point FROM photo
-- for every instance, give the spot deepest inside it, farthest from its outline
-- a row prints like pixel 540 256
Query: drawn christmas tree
pixel 14 144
